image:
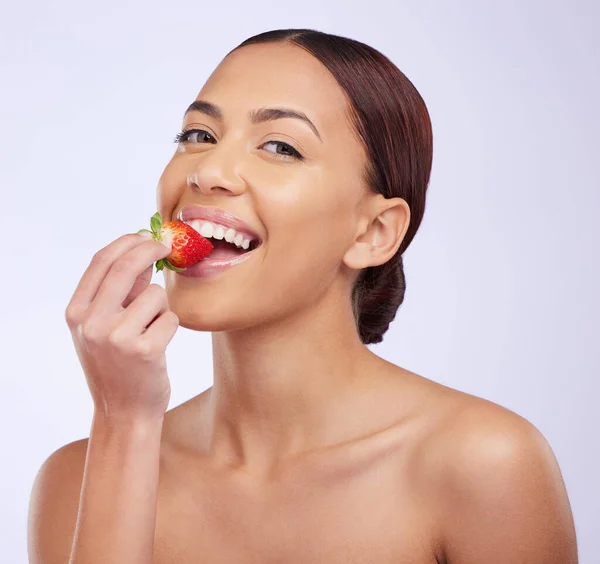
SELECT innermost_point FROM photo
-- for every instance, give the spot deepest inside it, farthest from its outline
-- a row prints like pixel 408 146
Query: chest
pixel 333 513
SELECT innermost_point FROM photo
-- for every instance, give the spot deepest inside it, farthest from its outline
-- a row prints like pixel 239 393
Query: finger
pixel 140 284
pixel 150 304
pixel 161 331
pixel 122 275
pixel 98 268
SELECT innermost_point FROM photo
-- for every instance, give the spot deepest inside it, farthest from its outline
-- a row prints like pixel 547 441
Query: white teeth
pixel 214 231
pixel 195 223
pixel 229 235
pixel 206 229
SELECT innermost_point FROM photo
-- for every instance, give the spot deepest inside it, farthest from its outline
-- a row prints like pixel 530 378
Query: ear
pixel 382 227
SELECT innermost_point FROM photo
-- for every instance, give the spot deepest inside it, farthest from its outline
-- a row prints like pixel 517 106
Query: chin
pixel 205 325
pixel 209 315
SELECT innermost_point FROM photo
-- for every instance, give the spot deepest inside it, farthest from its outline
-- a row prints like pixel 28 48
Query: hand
pixel 121 325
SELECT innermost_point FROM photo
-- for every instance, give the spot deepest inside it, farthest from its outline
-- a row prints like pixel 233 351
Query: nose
pixel 215 174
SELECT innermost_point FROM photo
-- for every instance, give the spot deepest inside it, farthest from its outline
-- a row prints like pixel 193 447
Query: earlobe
pixel 358 256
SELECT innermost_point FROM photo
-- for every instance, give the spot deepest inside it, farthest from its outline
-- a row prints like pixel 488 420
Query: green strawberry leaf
pixel 171 267
pixel 156 222
pixel 160 265
pixel 145 231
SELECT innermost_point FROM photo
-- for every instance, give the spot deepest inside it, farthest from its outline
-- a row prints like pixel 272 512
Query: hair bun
pixel 377 295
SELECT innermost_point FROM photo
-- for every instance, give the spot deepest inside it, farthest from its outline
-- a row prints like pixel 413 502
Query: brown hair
pixel 393 123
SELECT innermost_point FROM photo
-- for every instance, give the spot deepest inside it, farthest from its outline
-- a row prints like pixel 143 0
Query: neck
pixel 285 388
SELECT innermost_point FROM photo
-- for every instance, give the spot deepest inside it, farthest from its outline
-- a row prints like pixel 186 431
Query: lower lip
pixel 206 266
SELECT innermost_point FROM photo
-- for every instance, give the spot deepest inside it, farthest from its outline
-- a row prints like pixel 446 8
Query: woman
pixel 308 448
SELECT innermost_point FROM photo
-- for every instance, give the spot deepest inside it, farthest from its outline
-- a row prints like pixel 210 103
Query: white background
pixel 502 277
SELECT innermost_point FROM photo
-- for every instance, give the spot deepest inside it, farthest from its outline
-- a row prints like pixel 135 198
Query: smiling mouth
pixel 227 242
pixel 224 250
pixel 224 256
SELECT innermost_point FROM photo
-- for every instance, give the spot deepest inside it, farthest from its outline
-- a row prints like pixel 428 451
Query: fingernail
pixel 146 235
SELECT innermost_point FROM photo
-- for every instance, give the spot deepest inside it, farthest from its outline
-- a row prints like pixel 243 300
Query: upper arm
pixel 54 504
pixel 503 498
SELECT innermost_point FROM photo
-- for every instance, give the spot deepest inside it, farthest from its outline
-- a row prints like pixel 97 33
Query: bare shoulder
pixel 54 503
pixel 474 430
pixel 493 482
pixel 457 425
pixel 472 437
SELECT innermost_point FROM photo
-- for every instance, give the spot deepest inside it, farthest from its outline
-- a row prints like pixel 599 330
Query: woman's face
pixel 305 209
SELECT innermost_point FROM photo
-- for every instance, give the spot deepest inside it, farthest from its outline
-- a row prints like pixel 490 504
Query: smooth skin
pixel 308 448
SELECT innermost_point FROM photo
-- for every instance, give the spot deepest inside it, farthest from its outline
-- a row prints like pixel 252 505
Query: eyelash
pixel 184 136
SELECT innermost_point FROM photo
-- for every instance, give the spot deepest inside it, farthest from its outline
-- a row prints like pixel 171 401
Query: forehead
pixel 278 74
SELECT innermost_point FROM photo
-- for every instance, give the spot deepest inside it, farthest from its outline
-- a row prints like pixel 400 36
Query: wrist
pixel 117 421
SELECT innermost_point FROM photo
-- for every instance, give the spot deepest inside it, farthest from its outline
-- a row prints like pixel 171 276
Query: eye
pixel 202 136
pixel 282 150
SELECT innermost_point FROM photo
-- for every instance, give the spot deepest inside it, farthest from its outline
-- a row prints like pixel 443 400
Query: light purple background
pixel 502 277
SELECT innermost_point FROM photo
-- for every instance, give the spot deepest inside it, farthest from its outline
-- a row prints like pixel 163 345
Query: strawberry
pixel 187 245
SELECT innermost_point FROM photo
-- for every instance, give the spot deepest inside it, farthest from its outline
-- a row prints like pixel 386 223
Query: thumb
pixel 140 284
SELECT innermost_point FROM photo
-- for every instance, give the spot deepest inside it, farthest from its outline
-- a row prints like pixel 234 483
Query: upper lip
pixel 216 215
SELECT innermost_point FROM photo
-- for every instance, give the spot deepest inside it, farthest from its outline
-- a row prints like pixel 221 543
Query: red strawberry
pixel 187 245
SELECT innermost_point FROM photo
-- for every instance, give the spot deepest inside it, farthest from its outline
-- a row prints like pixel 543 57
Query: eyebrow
pixel 257 116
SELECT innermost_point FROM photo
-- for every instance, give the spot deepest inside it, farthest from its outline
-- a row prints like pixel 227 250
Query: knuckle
pixel 92 333
pixel 72 316
pixel 100 257
pixel 123 264
pixel 116 340
pixel 143 350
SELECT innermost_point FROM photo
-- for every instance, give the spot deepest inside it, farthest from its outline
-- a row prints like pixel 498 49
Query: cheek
pixel 309 216
pixel 305 246
pixel 321 200
pixel 298 200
